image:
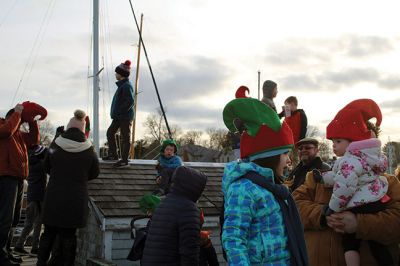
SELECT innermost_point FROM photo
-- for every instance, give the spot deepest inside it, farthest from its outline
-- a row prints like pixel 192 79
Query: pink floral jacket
pixel 357 178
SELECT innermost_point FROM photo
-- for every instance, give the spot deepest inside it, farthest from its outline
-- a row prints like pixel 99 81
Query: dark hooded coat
pixel 173 237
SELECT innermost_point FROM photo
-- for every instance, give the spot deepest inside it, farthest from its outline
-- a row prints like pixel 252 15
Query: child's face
pixel 284 161
pixel 340 146
pixel 292 106
pixel 169 151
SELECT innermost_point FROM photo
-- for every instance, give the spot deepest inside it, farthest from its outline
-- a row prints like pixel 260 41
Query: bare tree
pixel 191 137
pixel 217 139
pixel 312 131
pixel 153 125
pixel 325 149
pixel 46 129
pixel 156 129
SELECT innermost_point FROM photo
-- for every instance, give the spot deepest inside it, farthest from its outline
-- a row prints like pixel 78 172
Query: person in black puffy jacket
pixel 173 237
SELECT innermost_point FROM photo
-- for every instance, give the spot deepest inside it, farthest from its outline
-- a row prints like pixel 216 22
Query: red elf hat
pixel 351 122
pixel 264 134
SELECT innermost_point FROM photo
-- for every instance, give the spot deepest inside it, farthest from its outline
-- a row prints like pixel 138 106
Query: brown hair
pixel 374 128
pixel 291 99
pixel 272 163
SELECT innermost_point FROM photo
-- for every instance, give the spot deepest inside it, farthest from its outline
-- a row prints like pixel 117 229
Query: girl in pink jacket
pixel 357 177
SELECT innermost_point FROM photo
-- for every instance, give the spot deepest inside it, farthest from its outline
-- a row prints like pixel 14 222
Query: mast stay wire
pixel 107 58
pixel 151 71
pixel 90 53
pixel 8 12
pixel 28 76
pixel 34 47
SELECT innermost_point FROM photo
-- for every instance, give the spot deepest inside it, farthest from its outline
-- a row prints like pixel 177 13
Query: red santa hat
pixel 31 111
pixel 351 122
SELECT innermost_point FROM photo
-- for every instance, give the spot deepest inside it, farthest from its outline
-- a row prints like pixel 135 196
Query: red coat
pixel 298 124
pixel 13 143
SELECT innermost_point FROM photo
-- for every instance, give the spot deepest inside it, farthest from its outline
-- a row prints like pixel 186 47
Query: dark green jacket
pixel 122 103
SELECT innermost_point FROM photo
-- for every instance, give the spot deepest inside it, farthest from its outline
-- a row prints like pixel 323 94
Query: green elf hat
pixel 169 142
pixel 149 202
pixel 264 135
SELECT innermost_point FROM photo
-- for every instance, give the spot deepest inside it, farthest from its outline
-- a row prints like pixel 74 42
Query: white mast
pixel 96 86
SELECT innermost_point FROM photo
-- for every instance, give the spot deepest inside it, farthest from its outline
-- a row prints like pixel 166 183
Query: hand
pixel 335 222
pixel 349 220
pixel 18 108
pixel 158 179
pixel 60 129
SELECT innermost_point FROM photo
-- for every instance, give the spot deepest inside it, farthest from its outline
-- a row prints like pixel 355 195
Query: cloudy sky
pixel 326 53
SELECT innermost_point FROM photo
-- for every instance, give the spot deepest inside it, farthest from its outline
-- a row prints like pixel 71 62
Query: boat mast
pixel 96 84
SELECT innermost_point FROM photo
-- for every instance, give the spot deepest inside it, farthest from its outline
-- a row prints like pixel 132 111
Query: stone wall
pixel 89 241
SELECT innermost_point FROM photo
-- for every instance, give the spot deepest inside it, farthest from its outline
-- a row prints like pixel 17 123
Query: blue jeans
pixel 8 197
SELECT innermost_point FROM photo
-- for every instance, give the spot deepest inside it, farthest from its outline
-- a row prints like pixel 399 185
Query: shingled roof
pixel 116 192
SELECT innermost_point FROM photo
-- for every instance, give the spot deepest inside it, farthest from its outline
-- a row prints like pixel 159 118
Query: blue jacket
pixel 254 231
pixel 172 162
pixel 37 178
pixel 122 103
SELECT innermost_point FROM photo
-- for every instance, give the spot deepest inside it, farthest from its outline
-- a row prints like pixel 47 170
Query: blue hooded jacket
pixel 122 103
pixel 254 231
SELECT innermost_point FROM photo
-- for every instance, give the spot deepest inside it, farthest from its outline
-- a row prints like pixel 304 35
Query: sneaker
pixel 14 259
pixel 7 262
pixel 121 164
pixel 34 251
pixel 20 251
pixel 110 158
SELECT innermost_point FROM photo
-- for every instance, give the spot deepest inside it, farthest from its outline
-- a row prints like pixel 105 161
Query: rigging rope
pixel 33 49
pixel 151 71
pixel 8 13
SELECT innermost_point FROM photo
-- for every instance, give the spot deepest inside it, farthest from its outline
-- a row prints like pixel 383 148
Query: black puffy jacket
pixel 173 237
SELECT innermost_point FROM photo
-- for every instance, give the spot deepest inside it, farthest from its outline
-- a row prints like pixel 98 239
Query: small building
pixel 197 153
pixel 114 198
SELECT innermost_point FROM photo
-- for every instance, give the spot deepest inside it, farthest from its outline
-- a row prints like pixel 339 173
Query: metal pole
pixel 132 151
pixel 259 84
pixel 95 75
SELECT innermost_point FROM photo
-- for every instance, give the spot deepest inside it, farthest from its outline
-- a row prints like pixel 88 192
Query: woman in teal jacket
pixel 255 231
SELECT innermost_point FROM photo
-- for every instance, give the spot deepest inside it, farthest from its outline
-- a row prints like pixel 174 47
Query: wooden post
pixel 132 150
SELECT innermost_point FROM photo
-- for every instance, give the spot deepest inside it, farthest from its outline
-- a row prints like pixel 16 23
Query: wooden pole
pixel 132 150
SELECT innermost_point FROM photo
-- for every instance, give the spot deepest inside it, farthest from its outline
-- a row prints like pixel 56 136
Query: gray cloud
pixel 349 76
pixel 390 82
pixel 305 51
pixel 329 79
pixel 297 51
pixel 180 83
pixel 299 82
pixel 393 104
pixel 364 46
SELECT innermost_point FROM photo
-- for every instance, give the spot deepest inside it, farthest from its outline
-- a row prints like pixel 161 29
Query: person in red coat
pixel 295 118
pixel 13 171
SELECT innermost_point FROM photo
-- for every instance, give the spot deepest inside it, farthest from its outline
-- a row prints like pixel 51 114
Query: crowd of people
pixel 347 214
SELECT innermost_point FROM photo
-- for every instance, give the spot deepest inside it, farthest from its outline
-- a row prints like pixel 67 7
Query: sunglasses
pixel 305 148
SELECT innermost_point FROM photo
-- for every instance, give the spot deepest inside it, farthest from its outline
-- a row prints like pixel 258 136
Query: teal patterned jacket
pixel 254 230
